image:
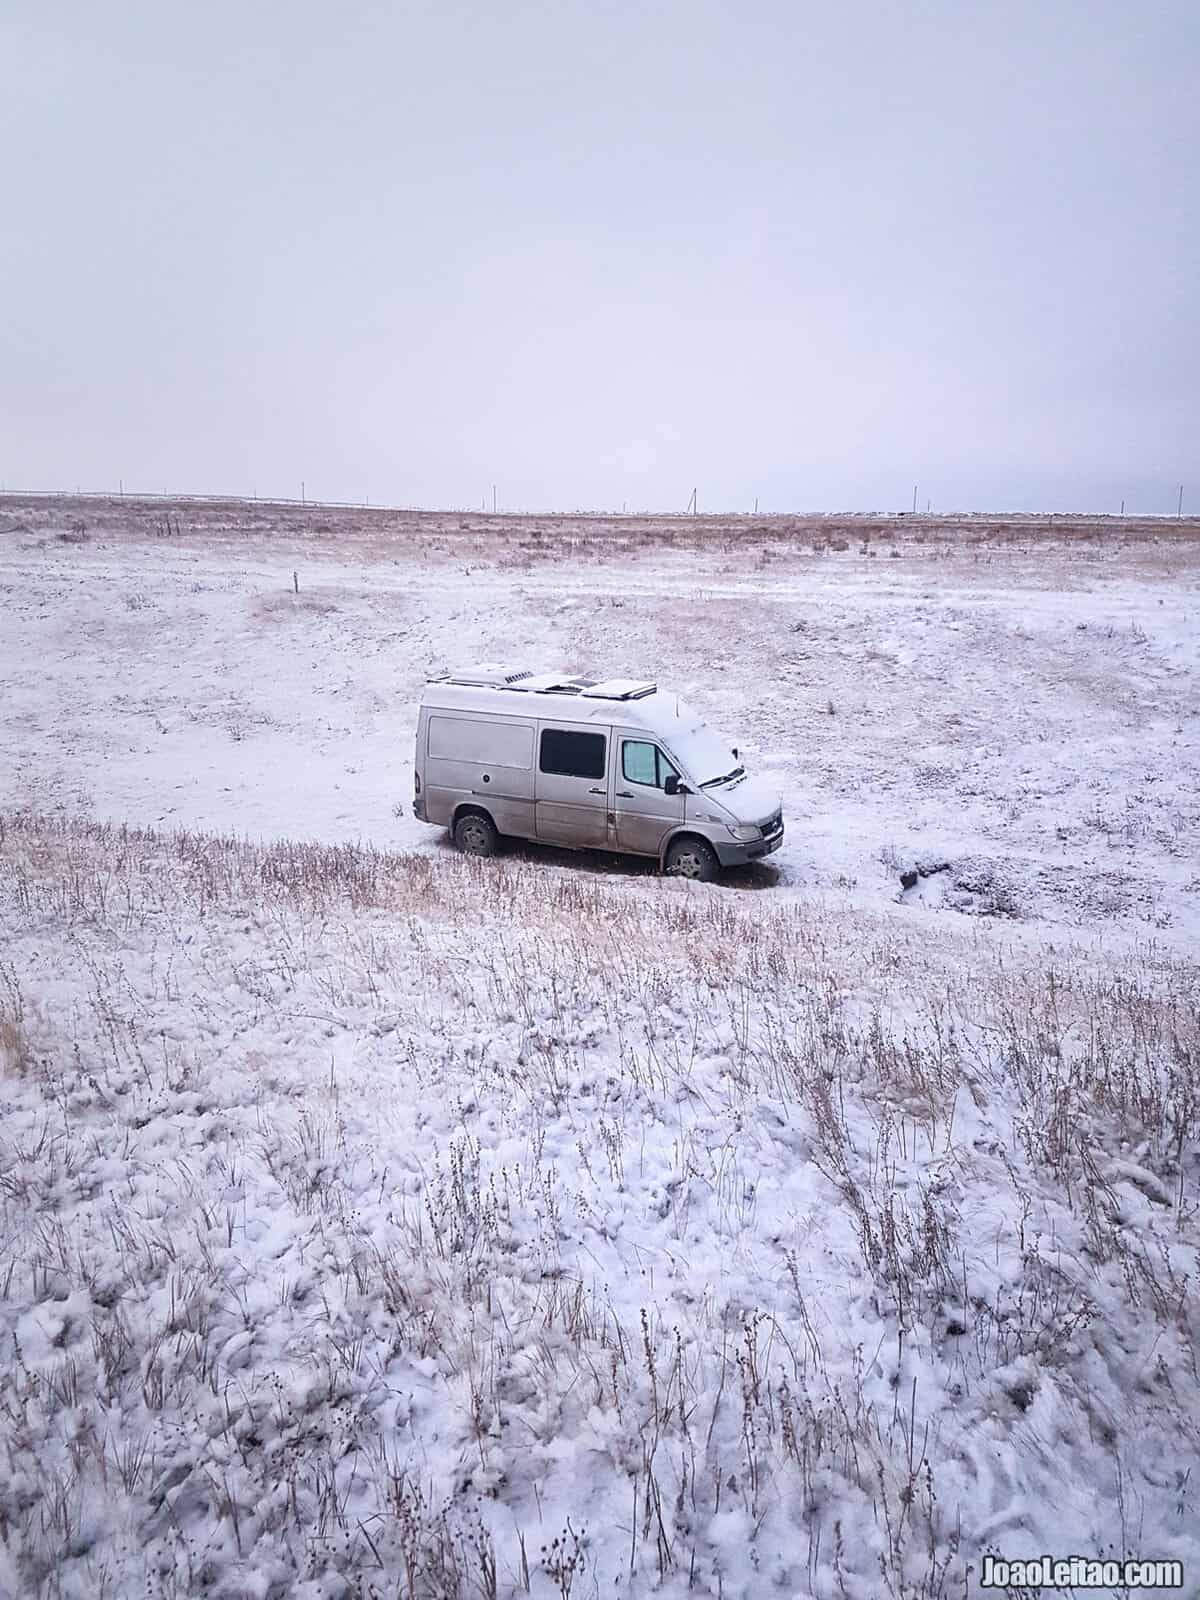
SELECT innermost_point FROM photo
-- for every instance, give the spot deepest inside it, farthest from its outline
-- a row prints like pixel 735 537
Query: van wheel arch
pixel 705 863
pixel 474 841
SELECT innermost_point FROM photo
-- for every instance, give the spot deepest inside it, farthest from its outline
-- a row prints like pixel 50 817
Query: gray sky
pixel 602 252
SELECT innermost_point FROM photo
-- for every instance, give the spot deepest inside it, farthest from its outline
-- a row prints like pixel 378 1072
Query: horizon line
pixel 307 503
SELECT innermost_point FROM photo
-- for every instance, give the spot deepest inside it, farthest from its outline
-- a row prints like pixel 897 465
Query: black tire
pixel 692 858
pixel 475 834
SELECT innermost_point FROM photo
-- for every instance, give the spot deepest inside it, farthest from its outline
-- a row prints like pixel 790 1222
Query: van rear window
pixel 573 755
pixel 491 744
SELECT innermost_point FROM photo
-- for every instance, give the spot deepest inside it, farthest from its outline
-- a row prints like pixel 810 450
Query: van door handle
pixel 624 794
pixel 596 791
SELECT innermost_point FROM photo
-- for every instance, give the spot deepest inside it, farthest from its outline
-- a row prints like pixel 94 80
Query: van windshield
pixel 707 758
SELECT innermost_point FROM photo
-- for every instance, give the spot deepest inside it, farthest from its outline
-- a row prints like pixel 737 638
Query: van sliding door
pixel 572 784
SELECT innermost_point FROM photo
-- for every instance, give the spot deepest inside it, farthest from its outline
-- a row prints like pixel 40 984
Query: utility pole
pixel 1122 508
pixel 301 491
pixel 1179 513
pixel 914 499
pixel 493 499
pixel 692 503
pixel 755 505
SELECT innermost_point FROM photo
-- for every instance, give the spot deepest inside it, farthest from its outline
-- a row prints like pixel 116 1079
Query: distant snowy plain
pixel 375 1222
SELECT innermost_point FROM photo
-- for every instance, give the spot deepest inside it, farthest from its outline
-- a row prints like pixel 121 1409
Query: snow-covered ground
pixel 1028 712
pixel 372 1219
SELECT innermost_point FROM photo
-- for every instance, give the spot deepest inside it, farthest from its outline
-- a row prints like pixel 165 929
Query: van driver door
pixel 643 812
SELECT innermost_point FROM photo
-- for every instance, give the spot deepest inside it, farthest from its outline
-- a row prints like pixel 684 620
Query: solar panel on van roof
pixel 619 689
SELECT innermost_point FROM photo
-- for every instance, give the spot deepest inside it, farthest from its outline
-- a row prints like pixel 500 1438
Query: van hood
pixel 746 799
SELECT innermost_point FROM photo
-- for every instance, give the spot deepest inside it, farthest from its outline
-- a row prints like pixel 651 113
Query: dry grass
pixel 308 602
pixel 524 540
pixel 14 1047
pixel 180 1406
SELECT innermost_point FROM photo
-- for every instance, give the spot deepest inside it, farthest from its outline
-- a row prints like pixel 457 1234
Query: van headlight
pixel 744 831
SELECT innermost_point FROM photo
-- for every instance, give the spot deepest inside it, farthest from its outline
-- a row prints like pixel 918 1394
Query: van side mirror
pixel 735 754
pixel 672 785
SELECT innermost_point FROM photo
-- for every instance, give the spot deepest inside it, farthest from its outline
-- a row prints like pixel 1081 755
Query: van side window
pixel 644 763
pixel 572 755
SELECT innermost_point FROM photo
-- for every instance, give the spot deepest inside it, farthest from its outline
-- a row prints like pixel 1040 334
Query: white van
pixel 612 765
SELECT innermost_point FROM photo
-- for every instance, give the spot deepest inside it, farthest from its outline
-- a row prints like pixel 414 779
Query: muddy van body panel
pixel 481 759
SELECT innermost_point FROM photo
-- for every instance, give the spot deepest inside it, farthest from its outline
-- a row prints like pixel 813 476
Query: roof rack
pixel 521 681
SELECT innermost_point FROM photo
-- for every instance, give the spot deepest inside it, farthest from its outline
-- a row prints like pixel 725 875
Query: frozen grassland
pixel 378 1222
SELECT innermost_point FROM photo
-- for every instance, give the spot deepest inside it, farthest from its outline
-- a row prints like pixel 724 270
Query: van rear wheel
pixel 475 835
pixel 692 858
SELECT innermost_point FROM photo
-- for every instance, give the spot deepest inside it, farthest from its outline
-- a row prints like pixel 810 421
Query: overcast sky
pixel 599 252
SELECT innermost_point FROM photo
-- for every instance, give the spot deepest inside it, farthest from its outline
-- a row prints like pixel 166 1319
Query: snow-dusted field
pixel 376 1222
pixel 1025 708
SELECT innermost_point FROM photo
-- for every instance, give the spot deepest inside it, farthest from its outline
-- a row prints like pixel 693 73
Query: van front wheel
pixel 475 835
pixel 692 858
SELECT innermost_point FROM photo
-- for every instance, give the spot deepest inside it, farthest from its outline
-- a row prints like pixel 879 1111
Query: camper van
pixel 612 764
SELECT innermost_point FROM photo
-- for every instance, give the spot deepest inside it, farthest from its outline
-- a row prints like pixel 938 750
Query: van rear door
pixel 572 784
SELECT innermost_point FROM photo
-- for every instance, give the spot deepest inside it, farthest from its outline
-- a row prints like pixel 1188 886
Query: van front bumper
pixel 739 855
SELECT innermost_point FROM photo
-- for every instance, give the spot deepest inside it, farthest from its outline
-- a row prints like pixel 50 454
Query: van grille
pixel 773 826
